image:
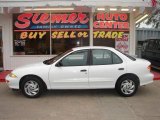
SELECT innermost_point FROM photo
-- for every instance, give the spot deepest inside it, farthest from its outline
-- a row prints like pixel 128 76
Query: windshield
pixel 54 59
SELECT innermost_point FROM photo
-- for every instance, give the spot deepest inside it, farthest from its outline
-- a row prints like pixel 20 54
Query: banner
pixel 41 21
pixel 122 44
pixel 35 26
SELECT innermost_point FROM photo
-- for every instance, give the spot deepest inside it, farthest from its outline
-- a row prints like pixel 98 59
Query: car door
pixel 105 69
pixel 71 72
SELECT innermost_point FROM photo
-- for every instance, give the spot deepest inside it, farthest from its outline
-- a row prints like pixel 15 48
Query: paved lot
pixel 81 105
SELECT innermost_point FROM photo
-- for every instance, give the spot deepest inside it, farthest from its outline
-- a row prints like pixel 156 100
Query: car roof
pixel 92 47
pixel 151 39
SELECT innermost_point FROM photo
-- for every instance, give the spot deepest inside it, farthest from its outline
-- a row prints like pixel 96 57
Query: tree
pixel 154 19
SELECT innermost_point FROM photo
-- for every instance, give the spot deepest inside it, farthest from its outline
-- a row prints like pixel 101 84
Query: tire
pixel 32 87
pixel 127 86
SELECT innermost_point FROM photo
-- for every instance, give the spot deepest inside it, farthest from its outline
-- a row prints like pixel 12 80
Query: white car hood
pixel 31 67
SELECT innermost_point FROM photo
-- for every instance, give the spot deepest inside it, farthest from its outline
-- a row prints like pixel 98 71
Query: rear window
pixel 130 57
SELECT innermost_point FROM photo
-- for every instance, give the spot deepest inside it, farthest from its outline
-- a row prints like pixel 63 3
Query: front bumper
pixel 13 83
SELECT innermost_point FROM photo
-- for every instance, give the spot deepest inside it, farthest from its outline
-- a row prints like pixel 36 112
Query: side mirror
pixel 59 64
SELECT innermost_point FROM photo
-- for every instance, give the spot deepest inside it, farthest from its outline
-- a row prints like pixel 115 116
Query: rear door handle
pixel 120 68
pixel 83 70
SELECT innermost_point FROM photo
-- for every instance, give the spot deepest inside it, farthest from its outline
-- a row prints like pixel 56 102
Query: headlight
pixel 12 75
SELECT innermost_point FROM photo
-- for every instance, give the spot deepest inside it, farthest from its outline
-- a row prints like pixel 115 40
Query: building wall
pixel 11 61
pixel 29 3
pixel 6 37
pixel 147 33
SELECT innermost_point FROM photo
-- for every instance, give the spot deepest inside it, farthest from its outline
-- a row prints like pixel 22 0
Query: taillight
pixel 149 67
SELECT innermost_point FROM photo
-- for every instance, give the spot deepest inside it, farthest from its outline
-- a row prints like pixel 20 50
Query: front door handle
pixel 120 68
pixel 83 70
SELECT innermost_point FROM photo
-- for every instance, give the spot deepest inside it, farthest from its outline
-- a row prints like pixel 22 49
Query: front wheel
pixel 127 86
pixel 32 87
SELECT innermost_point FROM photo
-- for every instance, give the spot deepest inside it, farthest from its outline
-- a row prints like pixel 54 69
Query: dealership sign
pixel 111 21
pixel 113 28
pixel 36 26
pixel 40 21
pixel 55 34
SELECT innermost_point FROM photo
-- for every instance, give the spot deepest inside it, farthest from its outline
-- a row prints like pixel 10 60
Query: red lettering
pixel 100 16
pixel 59 18
pixel 126 25
pixel 101 24
pixel 96 24
pixel 44 18
pixel 123 17
pixel 35 17
pixel 109 17
pixel 72 18
pixel 115 25
pixel 116 16
pixel 23 20
pixel 83 18
pixel 108 24
pixel 120 25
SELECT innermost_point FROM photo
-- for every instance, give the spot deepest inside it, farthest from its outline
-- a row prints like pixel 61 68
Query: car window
pixel 78 58
pixel 104 57
pixel 54 59
pixel 116 59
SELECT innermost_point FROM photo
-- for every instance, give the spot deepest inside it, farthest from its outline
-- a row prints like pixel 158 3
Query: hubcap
pixel 128 87
pixel 31 88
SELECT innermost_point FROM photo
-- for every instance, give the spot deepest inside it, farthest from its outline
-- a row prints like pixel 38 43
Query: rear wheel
pixel 127 86
pixel 32 87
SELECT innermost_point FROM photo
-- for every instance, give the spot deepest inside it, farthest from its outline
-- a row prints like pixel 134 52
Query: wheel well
pixel 44 84
pixel 129 74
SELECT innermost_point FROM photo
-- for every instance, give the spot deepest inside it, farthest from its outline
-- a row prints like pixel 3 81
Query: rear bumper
pixel 147 79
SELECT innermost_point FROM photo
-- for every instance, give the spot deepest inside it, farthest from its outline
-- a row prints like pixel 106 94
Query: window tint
pixel 78 58
pixel 104 57
pixel 116 59
pixel 54 59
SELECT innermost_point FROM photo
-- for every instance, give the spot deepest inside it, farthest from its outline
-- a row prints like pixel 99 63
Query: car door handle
pixel 83 70
pixel 120 68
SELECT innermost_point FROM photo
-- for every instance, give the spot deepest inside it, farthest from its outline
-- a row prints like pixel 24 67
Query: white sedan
pixel 83 68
